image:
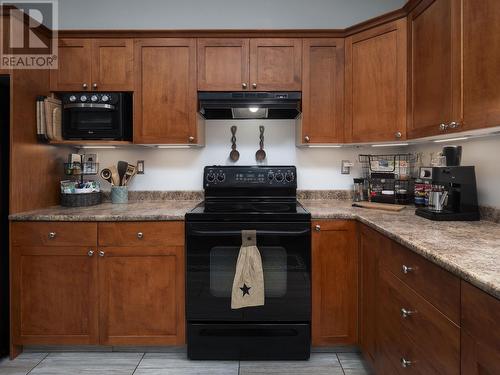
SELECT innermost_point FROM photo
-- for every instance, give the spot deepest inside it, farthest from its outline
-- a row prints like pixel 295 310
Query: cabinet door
pixel 435 66
pixel 481 65
pixel 334 283
pixel 54 295
pixel 376 75
pixel 74 66
pixel 323 91
pixel 276 64
pixel 112 64
pixel 165 95
pixel 370 244
pixel 480 350
pixel 141 295
pixel 223 64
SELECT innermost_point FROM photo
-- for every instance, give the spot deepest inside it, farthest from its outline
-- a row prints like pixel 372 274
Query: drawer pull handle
pixel 405 363
pixel 407 313
pixel 406 270
pixel 90 253
pixel 52 235
pixel 140 235
pixel 101 253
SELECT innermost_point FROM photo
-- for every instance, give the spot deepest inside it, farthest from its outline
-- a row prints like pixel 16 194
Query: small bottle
pixel 357 194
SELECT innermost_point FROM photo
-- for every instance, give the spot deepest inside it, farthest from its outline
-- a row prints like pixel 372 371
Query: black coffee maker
pixel 461 204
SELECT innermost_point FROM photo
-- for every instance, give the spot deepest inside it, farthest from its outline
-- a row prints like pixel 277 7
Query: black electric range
pixel 261 198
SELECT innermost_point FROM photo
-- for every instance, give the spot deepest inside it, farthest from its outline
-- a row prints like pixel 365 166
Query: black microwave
pixel 97 116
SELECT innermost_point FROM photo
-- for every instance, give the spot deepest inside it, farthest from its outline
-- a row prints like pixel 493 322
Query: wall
pixel 219 14
pixel 483 153
pixel 181 169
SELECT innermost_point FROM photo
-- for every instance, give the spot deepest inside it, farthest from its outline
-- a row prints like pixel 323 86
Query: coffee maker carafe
pixel 458 185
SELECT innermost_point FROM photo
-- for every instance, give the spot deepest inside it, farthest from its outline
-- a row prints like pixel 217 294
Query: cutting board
pixel 379 206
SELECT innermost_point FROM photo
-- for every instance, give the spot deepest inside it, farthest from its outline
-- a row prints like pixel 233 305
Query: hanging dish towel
pixel 248 284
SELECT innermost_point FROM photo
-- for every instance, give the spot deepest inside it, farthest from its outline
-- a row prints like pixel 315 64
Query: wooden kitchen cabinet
pixel 165 98
pixel 322 91
pixel 94 65
pixel 370 245
pixel 334 283
pixel 223 64
pixel 54 295
pixel 480 332
pixel 141 291
pixel 375 84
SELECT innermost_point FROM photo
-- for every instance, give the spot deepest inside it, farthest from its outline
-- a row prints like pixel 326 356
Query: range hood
pixel 249 105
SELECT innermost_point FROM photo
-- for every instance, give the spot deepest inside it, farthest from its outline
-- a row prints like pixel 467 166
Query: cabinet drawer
pixel 142 234
pixel 53 234
pixel 427 338
pixel 435 284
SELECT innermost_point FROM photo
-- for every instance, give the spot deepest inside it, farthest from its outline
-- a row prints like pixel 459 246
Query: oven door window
pixel 223 267
pixel 92 119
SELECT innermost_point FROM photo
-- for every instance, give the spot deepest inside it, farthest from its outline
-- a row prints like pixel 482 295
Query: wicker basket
pixel 80 200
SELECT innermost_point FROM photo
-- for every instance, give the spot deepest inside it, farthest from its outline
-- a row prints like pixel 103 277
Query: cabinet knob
pixel 307 139
pixel 52 235
pixel 191 139
pixel 94 85
pixel 398 134
pixel 84 86
pixel 254 85
pixel 405 313
pixel 101 253
pixel 405 362
pixel 244 85
pixel 406 269
pixel 453 125
pixel 90 253
pixel 140 235
pixel 443 126
pixel 317 228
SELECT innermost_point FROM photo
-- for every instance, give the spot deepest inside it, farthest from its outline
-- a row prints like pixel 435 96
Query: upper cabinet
pixel 223 64
pixel 94 64
pixel 165 93
pixel 232 64
pixel 322 91
pixel 375 88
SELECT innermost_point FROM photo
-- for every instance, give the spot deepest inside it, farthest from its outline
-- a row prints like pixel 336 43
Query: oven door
pixel 91 121
pixel 211 255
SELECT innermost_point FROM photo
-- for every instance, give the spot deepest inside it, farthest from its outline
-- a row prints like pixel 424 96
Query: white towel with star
pixel 248 284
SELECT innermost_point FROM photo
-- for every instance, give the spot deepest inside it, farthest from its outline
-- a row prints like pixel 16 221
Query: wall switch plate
pixel 346 167
pixel 140 166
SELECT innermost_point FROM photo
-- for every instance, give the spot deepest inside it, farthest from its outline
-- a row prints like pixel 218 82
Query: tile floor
pixel 175 363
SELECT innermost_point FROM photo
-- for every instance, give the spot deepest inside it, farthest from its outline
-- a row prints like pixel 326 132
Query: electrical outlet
pixel 140 166
pixel 346 167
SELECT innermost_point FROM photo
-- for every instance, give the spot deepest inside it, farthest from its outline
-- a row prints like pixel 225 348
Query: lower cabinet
pixel 334 283
pixel 480 332
pixel 128 292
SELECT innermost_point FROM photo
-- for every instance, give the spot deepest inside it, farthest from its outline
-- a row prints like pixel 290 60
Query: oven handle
pixel 89 105
pixel 259 232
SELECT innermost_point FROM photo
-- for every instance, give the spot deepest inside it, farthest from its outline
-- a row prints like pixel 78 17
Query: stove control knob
pixel 221 177
pixel 104 98
pixel 72 98
pixel 210 177
pixel 279 176
pixel 289 176
pixel 270 176
pixel 83 98
pixel 94 98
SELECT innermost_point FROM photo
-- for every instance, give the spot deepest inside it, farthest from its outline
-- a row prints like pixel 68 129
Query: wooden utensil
pixel 122 169
pixel 261 154
pixel 106 175
pixel 234 155
pixel 131 171
pixel 379 206
pixel 115 177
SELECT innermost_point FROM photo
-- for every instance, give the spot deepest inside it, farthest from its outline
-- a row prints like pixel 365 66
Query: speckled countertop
pixel 470 250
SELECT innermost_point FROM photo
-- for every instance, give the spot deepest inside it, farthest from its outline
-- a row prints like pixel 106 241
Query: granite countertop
pixel 469 250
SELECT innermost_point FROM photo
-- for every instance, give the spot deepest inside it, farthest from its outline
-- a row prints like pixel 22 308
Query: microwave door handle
pixel 90 105
pixel 238 233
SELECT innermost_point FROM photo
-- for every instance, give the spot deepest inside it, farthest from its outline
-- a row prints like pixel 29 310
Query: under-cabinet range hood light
pixel 249 105
pixel 450 139
pixel 97 147
pixel 391 145
pixel 323 146
pixel 173 146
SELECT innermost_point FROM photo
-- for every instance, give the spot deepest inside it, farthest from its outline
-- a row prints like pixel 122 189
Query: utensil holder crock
pixel 119 194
